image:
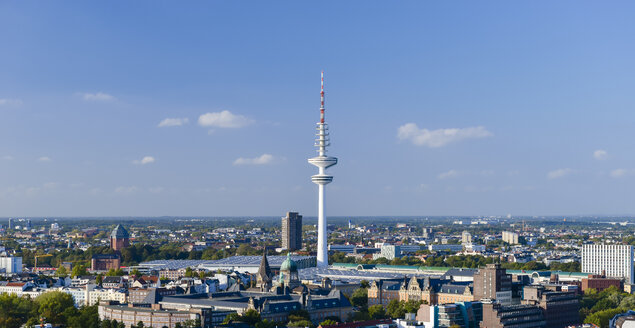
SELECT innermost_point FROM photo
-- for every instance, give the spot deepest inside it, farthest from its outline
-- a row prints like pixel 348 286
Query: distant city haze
pixel 209 108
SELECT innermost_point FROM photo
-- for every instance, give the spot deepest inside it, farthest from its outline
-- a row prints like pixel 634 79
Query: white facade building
pixel 10 264
pixel 388 252
pixel 510 237
pixel 615 261
pixel 466 238
pixel 102 294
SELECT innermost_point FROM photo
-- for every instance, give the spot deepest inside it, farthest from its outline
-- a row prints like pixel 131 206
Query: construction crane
pixel 36 257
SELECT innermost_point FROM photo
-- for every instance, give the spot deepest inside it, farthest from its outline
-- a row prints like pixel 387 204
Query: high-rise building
pixel 292 231
pixel 510 237
pixel 614 261
pixel 428 233
pixel 466 238
pixel 493 282
pixel 322 161
pixel 11 226
pixel 27 225
pixel 10 264
pixel 119 238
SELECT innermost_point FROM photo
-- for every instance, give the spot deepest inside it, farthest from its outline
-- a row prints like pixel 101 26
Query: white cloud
pixel 126 189
pixel 559 173
pixel 10 102
pixel 440 137
pixel 44 159
pixel 449 174
pixel 224 119
pixel 156 190
pixel 260 160
pixel 618 173
pixel 173 122
pixel 600 154
pixel 145 160
pixel 98 96
pixel 8 158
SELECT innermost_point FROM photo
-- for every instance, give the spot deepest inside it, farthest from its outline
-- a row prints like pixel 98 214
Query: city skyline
pixel 453 109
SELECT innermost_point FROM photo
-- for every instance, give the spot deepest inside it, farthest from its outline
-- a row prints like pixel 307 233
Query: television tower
pixel 322 161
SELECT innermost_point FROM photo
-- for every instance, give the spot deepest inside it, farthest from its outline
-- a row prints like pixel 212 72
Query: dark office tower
pixel 11 224
pixel 292 231
pixel 28 224
pixel 493 282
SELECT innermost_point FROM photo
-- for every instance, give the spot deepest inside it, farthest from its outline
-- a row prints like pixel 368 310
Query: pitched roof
pixel 119 232
pixel 264 271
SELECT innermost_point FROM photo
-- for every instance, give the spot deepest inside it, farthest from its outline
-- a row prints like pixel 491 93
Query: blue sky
pixel 435 108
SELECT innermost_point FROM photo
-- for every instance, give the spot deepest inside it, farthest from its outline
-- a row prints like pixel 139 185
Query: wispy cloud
pixel 224 119
pixel 126 189
pixel 8 158
pixel 145 160
pixel 559 173
pixel 173 122
pixel 260 160
pixel 98 96
pixel 448 174
pixel 44 159
pixel 440 137
pixel 600 154
pixel 10 102
pixel 619 173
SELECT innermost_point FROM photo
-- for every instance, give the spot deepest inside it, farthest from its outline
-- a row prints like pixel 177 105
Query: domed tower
pixel 289 273
pixel 119 238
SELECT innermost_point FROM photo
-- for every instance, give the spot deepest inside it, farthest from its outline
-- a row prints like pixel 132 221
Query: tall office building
pixel 11 226
pixel 292 231
pixel 493 282
pixel 322 161
pixel 615 261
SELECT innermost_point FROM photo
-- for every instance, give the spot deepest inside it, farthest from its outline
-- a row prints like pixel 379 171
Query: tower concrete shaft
pixel 322 161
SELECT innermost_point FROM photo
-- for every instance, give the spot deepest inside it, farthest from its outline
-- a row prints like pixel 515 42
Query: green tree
pixel 61 271
pixel 88 318
pixel 364 284
pixel 299 315
pixel 56 307
pixel 360 298
pixel 376 312
pixel 136 273
pixel 301 323
pixel 328 322
pixel 266 324
pixel 601 318
pixel 251 317
pixel 14 310
pixel 79 270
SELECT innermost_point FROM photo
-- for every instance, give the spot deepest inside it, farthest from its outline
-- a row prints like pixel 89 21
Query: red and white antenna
pixel 322 99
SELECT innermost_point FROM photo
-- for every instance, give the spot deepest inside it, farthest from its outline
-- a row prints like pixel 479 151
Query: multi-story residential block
pixel 10 264
pixel 510 237
pixel 101 294
pixel 292 231
pixel 614 261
